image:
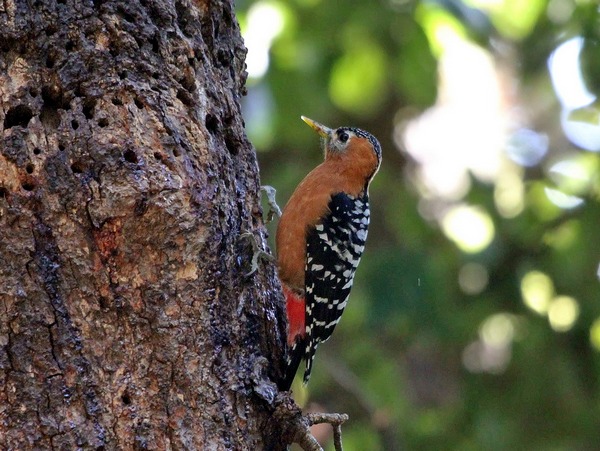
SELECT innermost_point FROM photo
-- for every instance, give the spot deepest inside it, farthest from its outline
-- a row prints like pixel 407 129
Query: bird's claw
pixel 273 207
pixel 257 253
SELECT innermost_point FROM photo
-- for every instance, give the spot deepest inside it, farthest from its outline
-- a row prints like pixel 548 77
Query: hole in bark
pixel 184 97
pixel 127 16
pixel 74 124
pixel 50 61
pixel 33 92
pixel 224 57
pixel 126 398
pixel 155 44
pixel 141 207
pixel 61 147
pixel 130 156
pixel 53 97
pixel 103 122
pixel 50 96
pixel 116 101
pixel 156 75
pixel 88 108
pixel 51 30
pixel 29 168
pixel 98 3
pixel 18 115
pixel 28 186
pixel 69 46
pixel 76 168
pixel 138 103
pixel 122 74
pixel 231 145
pixel 3 192
pixel 158 156
pixel 103 302
pixel 176 152
pixel 212 124
pixel 61 2
pixel 37 151
pixel 49 117
pixel 79 91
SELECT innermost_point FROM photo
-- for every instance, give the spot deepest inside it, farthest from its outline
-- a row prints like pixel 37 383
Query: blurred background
pixel 474 322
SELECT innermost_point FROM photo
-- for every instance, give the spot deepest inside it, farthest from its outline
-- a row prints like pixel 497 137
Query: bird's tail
pixel 296 339
pixel 294 357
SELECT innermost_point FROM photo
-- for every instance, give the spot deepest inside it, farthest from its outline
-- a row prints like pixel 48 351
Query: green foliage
pixel 446 345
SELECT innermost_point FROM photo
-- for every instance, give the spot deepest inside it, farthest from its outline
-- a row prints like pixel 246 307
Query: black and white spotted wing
pixel 334 248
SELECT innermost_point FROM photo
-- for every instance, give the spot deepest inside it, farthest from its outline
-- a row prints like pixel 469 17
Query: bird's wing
pixel 334 248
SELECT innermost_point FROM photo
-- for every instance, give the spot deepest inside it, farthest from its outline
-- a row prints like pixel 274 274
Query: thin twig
pixel 337 437
pixel 306 440
pixel 295 426
pixel 335 420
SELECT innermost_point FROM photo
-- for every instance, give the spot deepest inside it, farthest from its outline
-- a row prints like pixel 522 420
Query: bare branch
pixel 337 437
pixel 335 419
pixel 295 426
pixel 306 440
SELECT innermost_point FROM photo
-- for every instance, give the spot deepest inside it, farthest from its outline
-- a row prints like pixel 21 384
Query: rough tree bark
pixel 126 184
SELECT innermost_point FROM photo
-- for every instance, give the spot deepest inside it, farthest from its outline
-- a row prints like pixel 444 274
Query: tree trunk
pixel 126 185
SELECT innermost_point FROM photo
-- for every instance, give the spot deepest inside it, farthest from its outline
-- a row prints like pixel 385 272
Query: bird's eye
pixel 343 136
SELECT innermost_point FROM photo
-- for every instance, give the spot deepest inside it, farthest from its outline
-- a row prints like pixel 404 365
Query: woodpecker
pixel 320 240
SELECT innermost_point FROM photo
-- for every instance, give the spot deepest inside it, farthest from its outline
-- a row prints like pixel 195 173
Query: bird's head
pixel 351 145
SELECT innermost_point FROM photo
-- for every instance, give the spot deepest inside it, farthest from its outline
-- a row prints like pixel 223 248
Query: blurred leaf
pixel 588 114
pixel 414 68
pixel 514 18
pixel 358 84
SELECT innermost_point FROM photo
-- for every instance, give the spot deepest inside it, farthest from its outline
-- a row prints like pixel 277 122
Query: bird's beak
pixel 323 131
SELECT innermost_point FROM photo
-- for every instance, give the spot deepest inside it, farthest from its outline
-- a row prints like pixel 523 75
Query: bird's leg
pixel 273 207
pixel 257 252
